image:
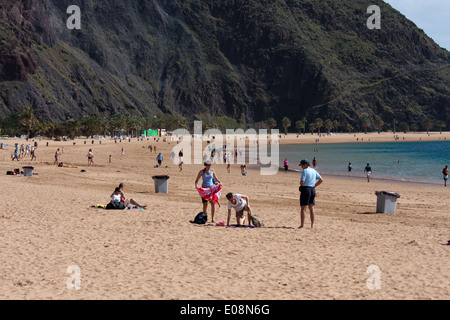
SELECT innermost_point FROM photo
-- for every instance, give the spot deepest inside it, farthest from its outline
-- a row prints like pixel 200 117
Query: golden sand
pixel 47 225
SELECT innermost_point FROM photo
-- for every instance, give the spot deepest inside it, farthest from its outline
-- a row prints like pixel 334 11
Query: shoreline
pixel 363 178
pixel 361 137
pixel 294 138
pixel 281 170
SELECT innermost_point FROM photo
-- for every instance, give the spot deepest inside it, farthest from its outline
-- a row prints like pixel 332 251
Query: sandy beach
pixel 47 225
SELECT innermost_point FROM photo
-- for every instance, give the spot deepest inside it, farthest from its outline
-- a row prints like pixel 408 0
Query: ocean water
pixel 420 162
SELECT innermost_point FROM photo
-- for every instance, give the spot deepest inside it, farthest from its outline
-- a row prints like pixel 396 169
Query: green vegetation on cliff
pixel 240 62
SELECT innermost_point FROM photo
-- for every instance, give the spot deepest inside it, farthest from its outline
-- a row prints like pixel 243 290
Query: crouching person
pixel 239 203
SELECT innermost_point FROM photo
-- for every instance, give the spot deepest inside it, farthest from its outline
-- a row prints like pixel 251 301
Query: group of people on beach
pixel 23 151
pixel 211 186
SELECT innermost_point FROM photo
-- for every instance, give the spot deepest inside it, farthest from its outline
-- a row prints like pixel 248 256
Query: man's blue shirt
pixel 310 175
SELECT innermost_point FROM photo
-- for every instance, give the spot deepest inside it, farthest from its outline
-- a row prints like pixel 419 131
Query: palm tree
pixel 135 123
pixel 91 125
pixel 49 129
pixel 271 123
pixel 379 123
pixel 286 124
pixel 104 125
pixel 404 127
pixel 394 123
pixel 73 127
pixel 349 128
pixel 28 120
pixel 173 122
pixel 147 123
pixel 301 125
pixel 365 122
pixel 427 124
pixel 319 124
pixel 440 124
pixel 336 125
pixel 116 124
pixel 414 127
pixel 312 127
pixel 328 124
pixel 42 127
pixel 126 123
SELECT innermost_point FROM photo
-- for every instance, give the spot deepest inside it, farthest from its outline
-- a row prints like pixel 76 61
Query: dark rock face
pixel 247 59
pixel 23 23
pixel 16 67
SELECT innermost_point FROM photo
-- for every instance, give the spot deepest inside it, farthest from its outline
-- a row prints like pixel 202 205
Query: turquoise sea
pixel 420 162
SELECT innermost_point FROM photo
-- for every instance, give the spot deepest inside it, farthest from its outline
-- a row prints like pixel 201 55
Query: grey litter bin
pixel 161 184
pixel 28 171
pixel 386 201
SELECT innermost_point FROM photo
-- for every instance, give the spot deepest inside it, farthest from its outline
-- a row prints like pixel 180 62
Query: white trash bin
pixel 28 171
pixel 161 184
pixel 386 201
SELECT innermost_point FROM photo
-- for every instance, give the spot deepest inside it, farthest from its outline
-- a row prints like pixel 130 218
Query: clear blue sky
pixel 432 16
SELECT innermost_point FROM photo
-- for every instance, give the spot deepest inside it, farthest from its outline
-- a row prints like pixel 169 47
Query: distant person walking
pixel 314 162
pixel 286 165
pixel 445 172
pixel 349 167
pixel 159 158
pixel 368 171
pixel 309 180
pixel 56 157
pixel 33 154
pixel 90 157
pixel 16 154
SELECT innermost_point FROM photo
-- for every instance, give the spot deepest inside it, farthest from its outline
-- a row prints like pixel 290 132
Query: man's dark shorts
pixel 307 196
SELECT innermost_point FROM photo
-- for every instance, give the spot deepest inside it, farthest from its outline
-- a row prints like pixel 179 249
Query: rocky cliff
pixel 246 59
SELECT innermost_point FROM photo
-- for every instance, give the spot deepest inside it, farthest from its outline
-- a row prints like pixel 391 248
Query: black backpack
pixel 115 206
pixel 200 218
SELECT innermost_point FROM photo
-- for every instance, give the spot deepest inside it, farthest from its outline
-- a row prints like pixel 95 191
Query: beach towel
pixel 104 206
pixel 212 194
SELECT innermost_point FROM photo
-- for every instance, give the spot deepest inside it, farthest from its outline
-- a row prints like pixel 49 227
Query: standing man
pixel 16 154
pixel 445 172
pixel 309 180
pixel 33 153
pixel 159 158
pixel 368 171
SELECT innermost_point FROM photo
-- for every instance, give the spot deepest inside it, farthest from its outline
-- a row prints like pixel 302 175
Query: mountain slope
pixel 246 59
